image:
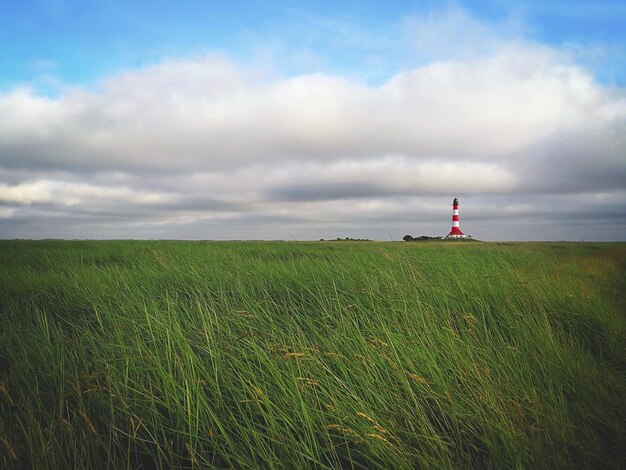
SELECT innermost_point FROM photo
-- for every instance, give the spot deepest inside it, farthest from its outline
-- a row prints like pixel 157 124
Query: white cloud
pixel 26 193
pixel 71 193
pixel 453 33
pixel 203 114
pixel 6 212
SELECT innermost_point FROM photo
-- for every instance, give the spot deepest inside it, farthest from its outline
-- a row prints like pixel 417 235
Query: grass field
pixel 325 355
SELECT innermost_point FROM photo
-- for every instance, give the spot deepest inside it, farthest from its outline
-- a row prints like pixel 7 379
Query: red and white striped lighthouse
pixel 456 231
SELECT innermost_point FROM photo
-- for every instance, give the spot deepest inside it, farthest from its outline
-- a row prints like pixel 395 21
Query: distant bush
pixel 409 238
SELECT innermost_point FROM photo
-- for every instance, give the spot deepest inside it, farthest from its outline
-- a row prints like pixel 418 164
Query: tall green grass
pixel 312 355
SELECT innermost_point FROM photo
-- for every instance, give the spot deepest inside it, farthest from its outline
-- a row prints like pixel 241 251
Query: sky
pixel 312 119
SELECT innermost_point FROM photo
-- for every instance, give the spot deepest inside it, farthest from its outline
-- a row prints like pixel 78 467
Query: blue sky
pixel 79 42
pixel 312 119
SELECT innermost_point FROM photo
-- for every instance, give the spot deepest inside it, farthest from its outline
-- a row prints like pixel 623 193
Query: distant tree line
pixel 348 239
pixel 409 238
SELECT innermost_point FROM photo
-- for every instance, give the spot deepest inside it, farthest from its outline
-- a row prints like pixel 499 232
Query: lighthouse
pixel 456 231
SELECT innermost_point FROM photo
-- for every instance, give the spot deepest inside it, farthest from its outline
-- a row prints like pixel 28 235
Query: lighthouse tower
pixel 455 232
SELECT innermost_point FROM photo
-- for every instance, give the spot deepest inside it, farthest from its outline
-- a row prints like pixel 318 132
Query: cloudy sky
pixel 306 120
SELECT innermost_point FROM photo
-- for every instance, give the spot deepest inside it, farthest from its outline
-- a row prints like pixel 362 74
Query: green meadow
pixel 146 354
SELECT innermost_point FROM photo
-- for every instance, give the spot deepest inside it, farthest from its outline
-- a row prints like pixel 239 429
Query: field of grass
pixel 128 354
